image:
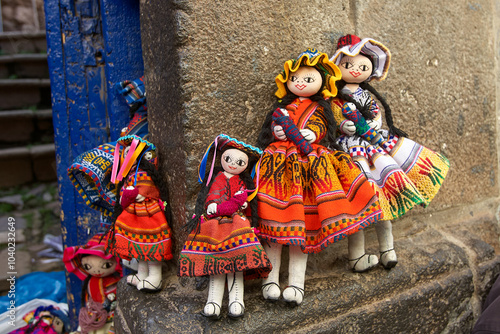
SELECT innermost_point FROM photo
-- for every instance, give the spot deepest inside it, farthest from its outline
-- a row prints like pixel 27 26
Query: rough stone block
pixel 16 126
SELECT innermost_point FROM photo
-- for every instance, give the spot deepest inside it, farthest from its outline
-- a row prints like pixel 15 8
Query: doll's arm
pixel 278 131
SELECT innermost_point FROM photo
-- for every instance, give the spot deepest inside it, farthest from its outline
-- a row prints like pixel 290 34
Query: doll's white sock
pixel 142 273
pixel 215 294
pixel 236 288
pixel 386 243
pixel 294 293
pixel 153 280
pixel 359 261
pixel 271 285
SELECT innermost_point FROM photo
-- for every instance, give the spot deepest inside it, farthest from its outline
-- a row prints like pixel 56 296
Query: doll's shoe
pixel 215 311
pixel 147 286
pixel 293 295
pixel 236 315
pixel 271 291
pixel 133 280
pixel 368 262
pixel 388 258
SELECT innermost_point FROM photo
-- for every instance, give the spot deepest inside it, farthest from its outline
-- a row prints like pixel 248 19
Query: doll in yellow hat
pixel 309 195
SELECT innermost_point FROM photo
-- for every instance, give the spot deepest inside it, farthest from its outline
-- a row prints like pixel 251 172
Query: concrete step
pixel 23 42
pixel 24 66
pixel 24 93
pixel 21 165
pixel 25 127
pixel 445 270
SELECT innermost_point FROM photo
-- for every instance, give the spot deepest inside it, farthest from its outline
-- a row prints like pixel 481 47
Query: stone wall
pixel 210 68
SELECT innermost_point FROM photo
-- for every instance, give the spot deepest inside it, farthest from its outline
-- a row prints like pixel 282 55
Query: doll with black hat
pixel 402 172
pixel 140 227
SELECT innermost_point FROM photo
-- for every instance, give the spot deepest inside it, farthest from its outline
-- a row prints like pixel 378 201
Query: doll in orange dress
pixel 140 229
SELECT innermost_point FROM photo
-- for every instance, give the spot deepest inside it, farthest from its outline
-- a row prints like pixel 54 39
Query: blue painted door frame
pixel 91 45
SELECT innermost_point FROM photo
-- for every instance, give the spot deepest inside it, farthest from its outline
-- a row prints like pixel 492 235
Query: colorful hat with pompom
pixel 72 257
pixel 137 148
pixel 352 45
pixel 314 58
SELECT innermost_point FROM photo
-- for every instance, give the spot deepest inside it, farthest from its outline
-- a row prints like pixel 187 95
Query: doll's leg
pixel 359 261
pixel 142 273
pixel 271 285
pixel 215 294
pixel 294 292
pixel 236 288
pixel 388 256
pixel 152 282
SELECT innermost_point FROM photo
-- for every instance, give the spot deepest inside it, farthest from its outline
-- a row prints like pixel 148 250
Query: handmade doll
pixel 100 272
pixel 222 243
pixel 403 173
pixel 45 320
pixel 140 229
pixel 308 195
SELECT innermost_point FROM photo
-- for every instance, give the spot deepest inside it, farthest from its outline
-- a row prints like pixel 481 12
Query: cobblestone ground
pixel 35 209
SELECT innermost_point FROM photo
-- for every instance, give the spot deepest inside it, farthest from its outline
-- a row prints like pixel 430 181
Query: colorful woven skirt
pixel 402 172
pixel 141 231
pixel 312 201
pixel 221 246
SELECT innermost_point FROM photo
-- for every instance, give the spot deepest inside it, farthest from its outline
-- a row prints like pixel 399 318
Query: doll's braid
pixel 387 110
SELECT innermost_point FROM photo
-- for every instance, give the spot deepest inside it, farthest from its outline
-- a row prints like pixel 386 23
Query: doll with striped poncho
pixel 402 172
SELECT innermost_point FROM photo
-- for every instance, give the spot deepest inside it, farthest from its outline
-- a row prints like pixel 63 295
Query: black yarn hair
pixel 266 133
pixel 245 176
pixel 364 110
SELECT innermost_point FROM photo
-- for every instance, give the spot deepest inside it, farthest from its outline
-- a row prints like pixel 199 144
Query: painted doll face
pixel 234 161
pixel 305 82
pixel 58 325
pixel 355 69
pixel 97 266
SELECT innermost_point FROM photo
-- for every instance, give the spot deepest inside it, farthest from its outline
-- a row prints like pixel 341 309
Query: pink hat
pixel 352 45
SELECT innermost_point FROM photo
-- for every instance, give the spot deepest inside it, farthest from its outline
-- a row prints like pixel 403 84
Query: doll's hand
pixel 373 124
pixel 279 133
pixel 308 135
pixel 284 111
pixel 212 208
pixel 244 206
pixel 348 128
pixel 139 198
pixel 111 296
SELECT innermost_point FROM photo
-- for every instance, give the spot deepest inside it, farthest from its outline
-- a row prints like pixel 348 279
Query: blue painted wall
pixel 91 45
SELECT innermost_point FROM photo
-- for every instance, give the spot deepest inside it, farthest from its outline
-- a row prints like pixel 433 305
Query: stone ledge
pixel 444 273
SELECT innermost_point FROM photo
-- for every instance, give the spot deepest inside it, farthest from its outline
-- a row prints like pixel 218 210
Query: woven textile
pixel 224 244
pixel 402 172
pixel 141 231
pixel 316 199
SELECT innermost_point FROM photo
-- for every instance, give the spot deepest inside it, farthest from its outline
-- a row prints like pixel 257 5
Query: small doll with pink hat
pixel 222 243
pixel 402 172
pixel 140 227
pixel 310 195
pixel 100 272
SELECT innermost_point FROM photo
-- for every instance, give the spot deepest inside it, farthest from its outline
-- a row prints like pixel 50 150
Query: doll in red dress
pixel 222 244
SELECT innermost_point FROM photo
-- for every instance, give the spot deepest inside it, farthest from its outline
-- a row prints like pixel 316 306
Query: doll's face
pixel 57 325
pixel 305 82
pixel 97 266
pixel 234 161
pixel 355 69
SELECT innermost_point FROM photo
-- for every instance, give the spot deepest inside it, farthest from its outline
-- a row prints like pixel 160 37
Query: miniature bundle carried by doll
pixel 362 128
pixel 100 272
